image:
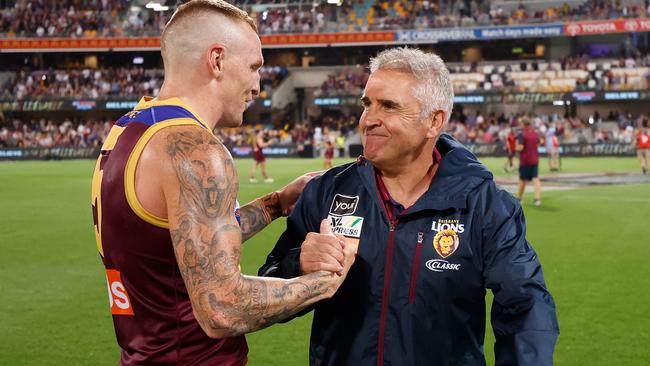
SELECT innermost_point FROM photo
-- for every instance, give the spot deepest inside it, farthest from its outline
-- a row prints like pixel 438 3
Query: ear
pixel 215 55
pixel 435 123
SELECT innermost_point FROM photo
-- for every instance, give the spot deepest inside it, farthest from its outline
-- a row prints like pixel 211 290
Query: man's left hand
pixel 290 193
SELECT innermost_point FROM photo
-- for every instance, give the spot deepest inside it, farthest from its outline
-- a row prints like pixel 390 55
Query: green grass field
pixel 593 243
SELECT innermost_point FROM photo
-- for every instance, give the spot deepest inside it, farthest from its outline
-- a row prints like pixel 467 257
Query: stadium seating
pixel 567 76
pixel 90 83
pixel 113 18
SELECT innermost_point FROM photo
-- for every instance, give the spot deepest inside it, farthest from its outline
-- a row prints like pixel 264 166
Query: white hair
pixel 434 88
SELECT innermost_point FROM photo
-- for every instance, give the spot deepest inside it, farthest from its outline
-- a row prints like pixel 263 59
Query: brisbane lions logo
pixel 446 242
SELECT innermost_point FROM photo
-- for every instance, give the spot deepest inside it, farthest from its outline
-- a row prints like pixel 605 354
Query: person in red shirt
pixel 643 148
pixel 329 153
pixel 527 145
pixel 259 158
pixel 511 150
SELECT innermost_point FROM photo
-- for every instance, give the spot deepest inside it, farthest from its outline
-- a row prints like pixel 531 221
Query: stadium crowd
pixel 492 128
pixel 400 14
pixel 566 75
pixel 46 133
pixel 76 18
pixel 97 83
pixel 110 18
pixel 467 128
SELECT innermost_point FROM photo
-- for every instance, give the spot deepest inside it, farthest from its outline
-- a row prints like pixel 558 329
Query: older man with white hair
pixel 433 232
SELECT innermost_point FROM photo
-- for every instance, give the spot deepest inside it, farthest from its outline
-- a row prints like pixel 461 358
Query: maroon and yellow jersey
pixel 152 314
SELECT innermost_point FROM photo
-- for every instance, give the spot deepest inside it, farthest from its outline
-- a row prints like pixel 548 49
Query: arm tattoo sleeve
pixel 207 243
pixel 259 213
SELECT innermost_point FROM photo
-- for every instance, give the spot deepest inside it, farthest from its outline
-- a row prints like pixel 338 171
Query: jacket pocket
pixel 415 267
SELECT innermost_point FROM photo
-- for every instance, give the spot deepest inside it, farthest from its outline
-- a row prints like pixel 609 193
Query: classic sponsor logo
pixel 117 295
pixel 440 265
pixel 349 226
pixel 344 205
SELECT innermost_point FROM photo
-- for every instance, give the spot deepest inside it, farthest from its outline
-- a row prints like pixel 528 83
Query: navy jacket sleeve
pixel 523 312
pixel 284 259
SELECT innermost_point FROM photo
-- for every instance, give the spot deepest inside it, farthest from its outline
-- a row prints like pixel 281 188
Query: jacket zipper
pixel 386 292
pixel 415 267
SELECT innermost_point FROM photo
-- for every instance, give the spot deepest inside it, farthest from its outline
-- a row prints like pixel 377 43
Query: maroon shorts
pixel 258 156
pixel 329 153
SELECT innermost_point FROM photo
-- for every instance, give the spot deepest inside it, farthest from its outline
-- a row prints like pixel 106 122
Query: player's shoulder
pixel 186 142
pixel 188 136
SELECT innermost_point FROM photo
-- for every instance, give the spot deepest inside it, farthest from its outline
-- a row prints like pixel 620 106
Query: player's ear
pixel 215 56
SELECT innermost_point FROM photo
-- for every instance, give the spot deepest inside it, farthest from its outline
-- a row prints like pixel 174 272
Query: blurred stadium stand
pixel 71 68
pixel 75 18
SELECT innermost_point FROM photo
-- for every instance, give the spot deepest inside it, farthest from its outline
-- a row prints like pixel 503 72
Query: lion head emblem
pixel 446 242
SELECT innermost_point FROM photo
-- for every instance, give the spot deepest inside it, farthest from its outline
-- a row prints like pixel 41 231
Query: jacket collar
pixel 459 174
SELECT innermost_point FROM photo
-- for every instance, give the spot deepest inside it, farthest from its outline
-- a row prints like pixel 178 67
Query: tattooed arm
pixel 200 185
pixel 261 212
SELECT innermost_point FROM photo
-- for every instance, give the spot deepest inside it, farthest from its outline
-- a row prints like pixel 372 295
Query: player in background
pixel 511 150
pixel 329 153
pixel 552 149
pixel 259 159
pixel 527 145
pixel 642 143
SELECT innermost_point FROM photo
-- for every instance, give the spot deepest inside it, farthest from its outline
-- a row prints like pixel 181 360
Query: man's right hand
pixel 324 251
pixel 324 240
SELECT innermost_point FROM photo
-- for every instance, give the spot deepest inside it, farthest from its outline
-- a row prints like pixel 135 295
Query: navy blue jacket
pixel 416 292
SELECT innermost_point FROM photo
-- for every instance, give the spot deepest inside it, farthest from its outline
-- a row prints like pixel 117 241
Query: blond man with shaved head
pixel 168 224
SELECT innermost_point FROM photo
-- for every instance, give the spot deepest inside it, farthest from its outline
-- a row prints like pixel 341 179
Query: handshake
pixel 328 252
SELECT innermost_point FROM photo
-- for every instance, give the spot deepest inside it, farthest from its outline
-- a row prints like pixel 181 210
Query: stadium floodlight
pixel 152 5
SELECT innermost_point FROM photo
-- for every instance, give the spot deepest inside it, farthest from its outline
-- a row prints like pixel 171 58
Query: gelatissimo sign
pixel 49 105
pixel 54 153
pixel 246 151
pixel 32 105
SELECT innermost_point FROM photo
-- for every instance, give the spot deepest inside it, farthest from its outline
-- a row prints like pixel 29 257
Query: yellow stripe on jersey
pixel 96 199
pixel 112 137
pixel 132 163
pixel 98 175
